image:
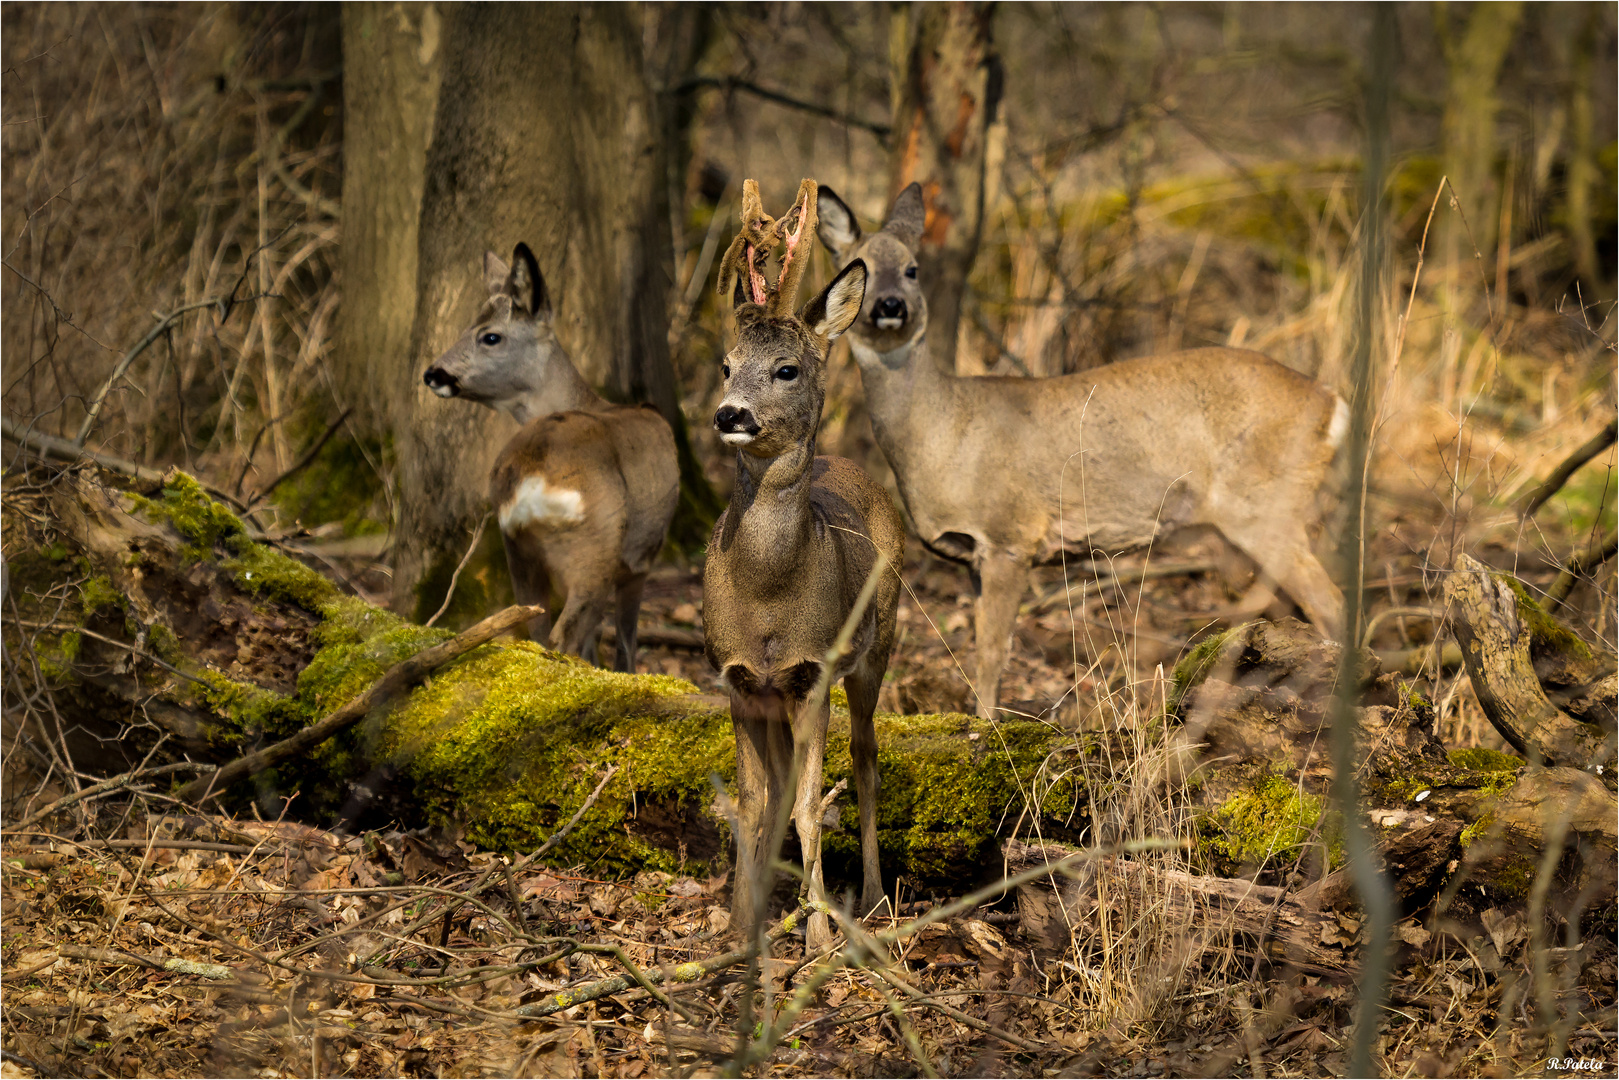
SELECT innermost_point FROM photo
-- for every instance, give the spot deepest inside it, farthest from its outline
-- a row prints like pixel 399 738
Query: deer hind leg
pixel 1001 579
pixel 627 612
pixel 809 748
pixel 862 686
pixel 531 583
pixel 1283 553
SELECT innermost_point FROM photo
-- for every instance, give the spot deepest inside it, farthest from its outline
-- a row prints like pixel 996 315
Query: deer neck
pixel 557 387
pixel 769 520
pixel 905 392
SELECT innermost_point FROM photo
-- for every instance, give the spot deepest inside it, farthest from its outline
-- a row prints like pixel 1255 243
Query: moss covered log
pixel 237 644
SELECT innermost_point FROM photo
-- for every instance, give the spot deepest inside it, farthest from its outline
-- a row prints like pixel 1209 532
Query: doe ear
pixel 526 286
pixel 837 306
pixel 495 273
pixel 838 229
pixel 908 217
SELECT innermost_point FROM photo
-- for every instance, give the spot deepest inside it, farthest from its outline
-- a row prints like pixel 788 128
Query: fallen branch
pixel 1559 476
pixel 110 784
pixel 394 683
pixel 1495 647
pixel 173 963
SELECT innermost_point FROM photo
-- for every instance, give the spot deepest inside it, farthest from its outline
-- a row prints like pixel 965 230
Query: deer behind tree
pixel 585 490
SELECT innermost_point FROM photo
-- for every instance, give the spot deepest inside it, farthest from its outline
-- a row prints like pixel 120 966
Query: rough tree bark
pixel 946 86
pixel 391 68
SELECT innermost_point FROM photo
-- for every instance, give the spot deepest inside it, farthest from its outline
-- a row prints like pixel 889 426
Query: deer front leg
pixel 1002 579
pixel 862 687
pixel 809 749
pixel 757 803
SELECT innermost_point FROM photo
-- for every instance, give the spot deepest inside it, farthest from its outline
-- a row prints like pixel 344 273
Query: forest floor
pixel 184 945
pixel 305 961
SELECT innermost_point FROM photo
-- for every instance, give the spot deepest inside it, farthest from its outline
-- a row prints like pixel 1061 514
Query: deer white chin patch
pixel 538 503
pixel 737 438
pixel 889 324
pixel 444 390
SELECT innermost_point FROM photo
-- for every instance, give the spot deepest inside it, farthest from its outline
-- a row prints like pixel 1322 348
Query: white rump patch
pixel 1340 423
pixel 538 503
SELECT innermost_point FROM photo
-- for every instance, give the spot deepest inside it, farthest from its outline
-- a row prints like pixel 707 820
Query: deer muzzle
pixel 441 382
pixel 888 313
pixel 737 427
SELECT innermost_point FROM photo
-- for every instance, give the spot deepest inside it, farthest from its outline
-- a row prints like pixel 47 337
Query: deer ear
pixel 838 229
pixel 908 217
pixel 837 306
pixel 526 286
pixel 495 273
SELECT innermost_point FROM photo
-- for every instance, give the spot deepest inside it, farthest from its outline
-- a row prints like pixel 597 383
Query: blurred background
pixel 235 235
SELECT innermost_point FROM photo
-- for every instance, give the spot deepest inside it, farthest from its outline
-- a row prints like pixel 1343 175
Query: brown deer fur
pixel 1005 473
pixel 584 492
pixel 788 560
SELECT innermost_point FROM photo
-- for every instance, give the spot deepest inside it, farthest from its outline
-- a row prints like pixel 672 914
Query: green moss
pixel 1543 628
pixel 1195 666
pixel 97 593
pixel 1479 759
pixel 262 571
pixel 1475 829
pixel 1270 819
pixel 251 710
pixel 185 505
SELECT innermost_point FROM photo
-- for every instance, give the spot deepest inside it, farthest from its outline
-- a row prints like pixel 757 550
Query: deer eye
pixel 725 370
pixel 910 271
pixel 490 339
pixel 787 372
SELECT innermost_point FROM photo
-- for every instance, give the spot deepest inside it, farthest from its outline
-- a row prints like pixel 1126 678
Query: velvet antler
pixel 742 269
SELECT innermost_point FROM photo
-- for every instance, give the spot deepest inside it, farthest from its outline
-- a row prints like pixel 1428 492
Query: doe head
pixel 894 313
pixel 775 373
pixel 510 349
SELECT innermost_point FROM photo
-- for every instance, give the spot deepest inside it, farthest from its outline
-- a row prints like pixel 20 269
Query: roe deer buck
pixel 1006 473
pixel 584 492
pixel 789 558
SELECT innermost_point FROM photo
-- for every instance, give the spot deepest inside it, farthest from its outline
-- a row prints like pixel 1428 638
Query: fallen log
pixel 164 618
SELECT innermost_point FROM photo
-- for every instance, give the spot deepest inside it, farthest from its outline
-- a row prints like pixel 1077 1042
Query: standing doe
pixel 584 492
pixel 1007 473
pixel 789 558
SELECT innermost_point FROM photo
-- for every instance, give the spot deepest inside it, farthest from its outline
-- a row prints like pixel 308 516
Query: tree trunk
pixel 546 133
pixel 391 68
pixel 946 136
pixel 1467 129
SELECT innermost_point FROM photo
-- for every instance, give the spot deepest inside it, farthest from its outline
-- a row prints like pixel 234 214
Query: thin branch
pixel 1559 476
pixel 129 358
pixel 1582 564
pixel 731 82
pixel 303 462
pixel 63 450
pixel 111 784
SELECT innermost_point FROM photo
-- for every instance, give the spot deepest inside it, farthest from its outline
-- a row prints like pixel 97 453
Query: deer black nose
pixel 889 307
pixel 731 420
pixel 441 382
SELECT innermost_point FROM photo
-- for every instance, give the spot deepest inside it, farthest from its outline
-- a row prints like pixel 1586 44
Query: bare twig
pixel 449 593
pixel 129 358
pixel 303 462
pixel 64 450
pixel 1600 551
pixel 731 82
